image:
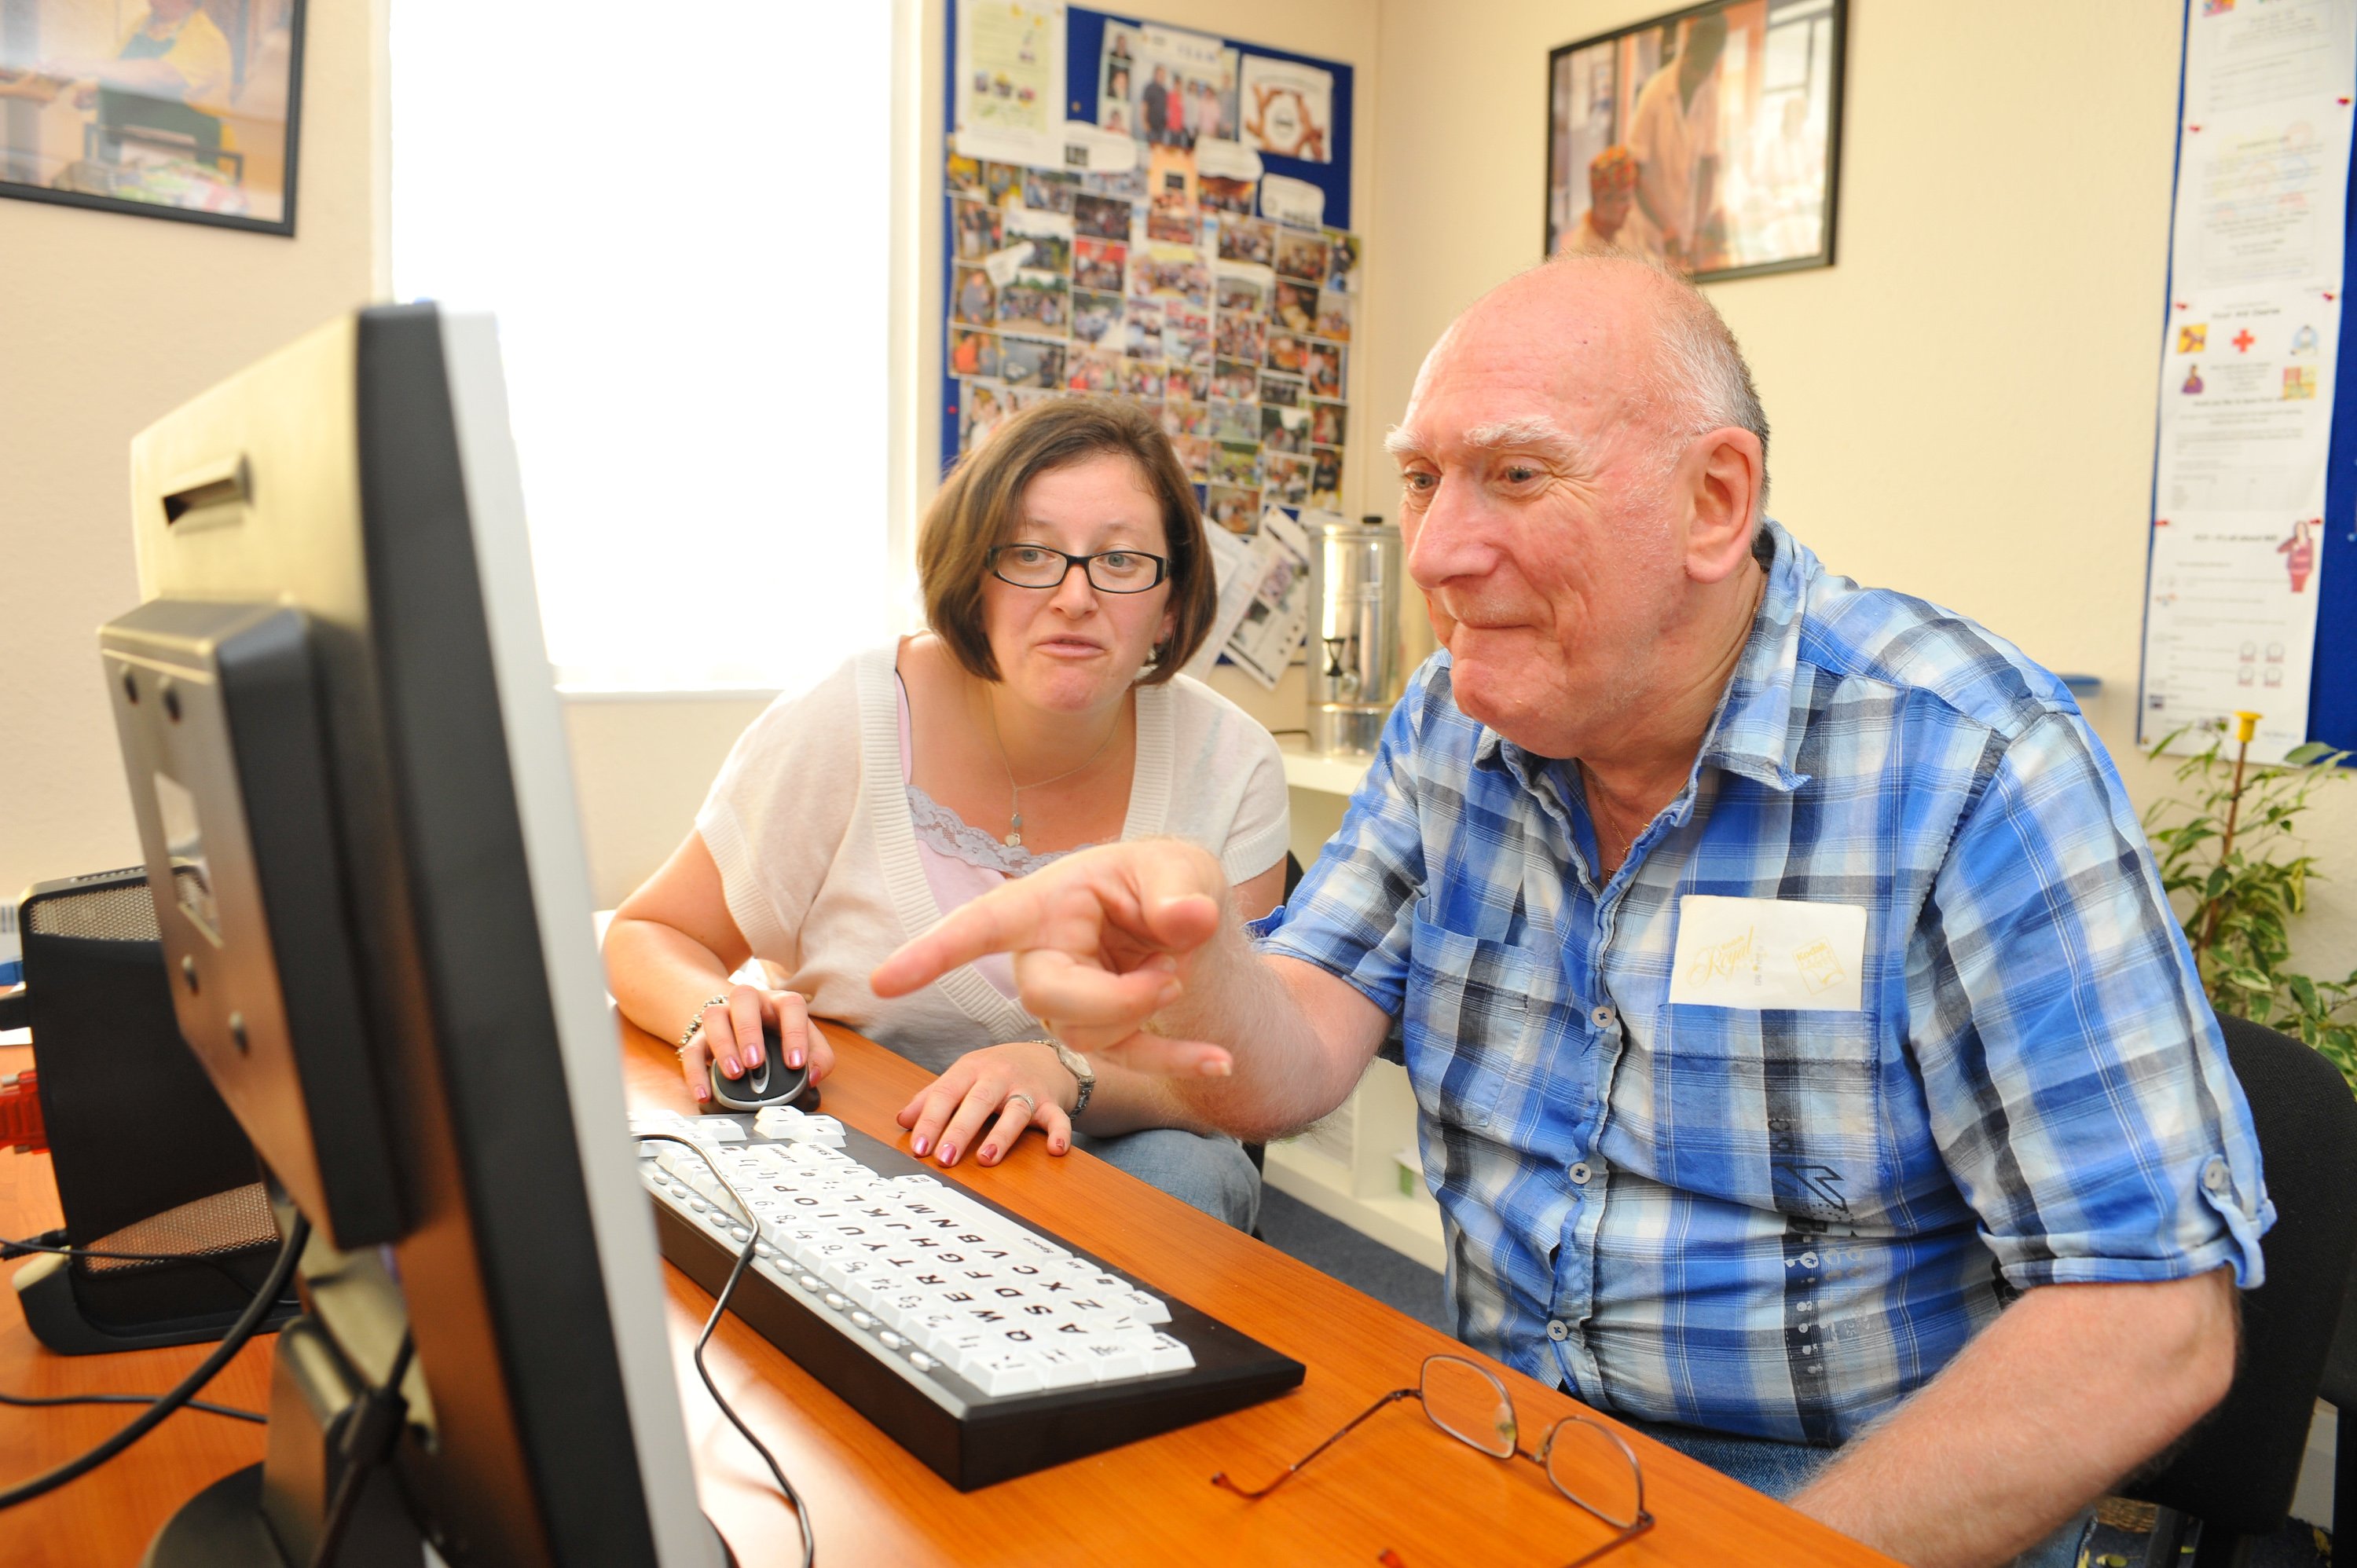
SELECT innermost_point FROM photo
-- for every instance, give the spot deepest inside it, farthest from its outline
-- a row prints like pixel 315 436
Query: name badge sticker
pixel 1758 953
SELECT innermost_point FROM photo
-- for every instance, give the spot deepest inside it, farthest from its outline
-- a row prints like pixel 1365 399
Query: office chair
pixel 2234 1473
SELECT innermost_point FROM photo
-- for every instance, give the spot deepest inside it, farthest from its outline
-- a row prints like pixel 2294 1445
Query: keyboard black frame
pixel 969 1438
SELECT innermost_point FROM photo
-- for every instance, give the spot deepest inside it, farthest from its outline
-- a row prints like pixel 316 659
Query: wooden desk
pixel 106 1519
pixel 1395 1482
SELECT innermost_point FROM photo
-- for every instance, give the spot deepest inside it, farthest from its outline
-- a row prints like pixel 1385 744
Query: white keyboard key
pixel 1147 1308
pixel 1168 1355
pixel 1005 1374
pixel 1112 1359
pixel 1062 1368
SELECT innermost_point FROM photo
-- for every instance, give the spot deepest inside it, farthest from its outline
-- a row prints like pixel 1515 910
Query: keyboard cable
pixel 181 1394
pixel 720 1305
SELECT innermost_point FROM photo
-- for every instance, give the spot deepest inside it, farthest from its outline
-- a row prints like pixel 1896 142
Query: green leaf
pixel 2251 980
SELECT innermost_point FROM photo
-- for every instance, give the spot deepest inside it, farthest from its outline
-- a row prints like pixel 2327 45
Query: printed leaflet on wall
pixel 2248 361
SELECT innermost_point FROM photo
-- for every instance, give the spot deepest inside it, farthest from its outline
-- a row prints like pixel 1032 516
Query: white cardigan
pixel 808 824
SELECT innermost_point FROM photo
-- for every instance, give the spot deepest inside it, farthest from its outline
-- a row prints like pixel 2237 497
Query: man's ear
pixel 1724 469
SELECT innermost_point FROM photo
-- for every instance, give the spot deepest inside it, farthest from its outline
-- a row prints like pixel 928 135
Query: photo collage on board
pixel 1177 281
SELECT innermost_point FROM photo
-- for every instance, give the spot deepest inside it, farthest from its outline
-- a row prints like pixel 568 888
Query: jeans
pixel 1212 1174
pixel 1781 1469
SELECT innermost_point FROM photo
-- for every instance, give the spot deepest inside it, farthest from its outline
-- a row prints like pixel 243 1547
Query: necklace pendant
pixel 1014 841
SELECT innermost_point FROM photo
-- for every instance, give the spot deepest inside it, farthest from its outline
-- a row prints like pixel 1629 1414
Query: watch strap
pixel 1077 1066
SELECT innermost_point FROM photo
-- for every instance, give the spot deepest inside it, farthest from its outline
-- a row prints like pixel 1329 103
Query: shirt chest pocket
pixel 1776 1108
pixel 1473 1011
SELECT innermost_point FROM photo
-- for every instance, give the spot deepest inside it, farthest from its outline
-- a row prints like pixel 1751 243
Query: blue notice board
pixel 1084 45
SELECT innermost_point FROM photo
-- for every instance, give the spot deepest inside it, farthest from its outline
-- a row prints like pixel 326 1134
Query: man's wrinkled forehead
pixel 1564 354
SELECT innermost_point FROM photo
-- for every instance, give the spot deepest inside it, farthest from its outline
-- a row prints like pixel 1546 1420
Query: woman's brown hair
pixel 978 504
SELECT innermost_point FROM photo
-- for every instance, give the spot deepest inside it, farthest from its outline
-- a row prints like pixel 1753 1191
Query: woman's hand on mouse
pixel 1022 1085
pixel 732 1036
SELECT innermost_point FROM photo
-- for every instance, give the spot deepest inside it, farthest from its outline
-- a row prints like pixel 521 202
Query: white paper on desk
pixel 2248 377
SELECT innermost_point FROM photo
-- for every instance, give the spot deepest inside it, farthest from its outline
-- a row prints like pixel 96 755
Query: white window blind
pixel 680 217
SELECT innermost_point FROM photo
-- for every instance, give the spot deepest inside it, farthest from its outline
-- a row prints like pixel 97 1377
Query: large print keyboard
pixel 985 1347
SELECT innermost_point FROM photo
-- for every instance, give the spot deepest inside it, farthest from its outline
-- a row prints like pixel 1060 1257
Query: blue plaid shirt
pixel 1782 1222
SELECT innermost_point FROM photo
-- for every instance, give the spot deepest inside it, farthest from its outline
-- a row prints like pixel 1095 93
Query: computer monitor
pixel 336 707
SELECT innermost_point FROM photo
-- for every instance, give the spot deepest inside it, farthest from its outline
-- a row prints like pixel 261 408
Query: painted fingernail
pixel 753 1056
pixel 730 1067
pixel 701 1094
pixel 1217 1067
pixel 989 1153
pixel 794 1058
pixel 1059 1147
pixel 920 1144
pixel 948 1153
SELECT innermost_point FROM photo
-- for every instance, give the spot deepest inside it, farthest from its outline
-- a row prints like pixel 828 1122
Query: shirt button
pixel 2216 1177
pixel 1603 1017
pixel 1579 1173
pixel 1557 1329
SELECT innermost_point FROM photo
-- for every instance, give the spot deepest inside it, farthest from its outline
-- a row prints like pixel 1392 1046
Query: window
pixel 681 218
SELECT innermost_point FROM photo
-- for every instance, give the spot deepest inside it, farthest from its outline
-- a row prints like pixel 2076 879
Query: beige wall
pixel 643 765
pixel 106 322
pixel 1964 405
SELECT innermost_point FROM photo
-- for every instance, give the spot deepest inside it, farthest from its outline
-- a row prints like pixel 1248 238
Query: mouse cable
pixel 184 1391
pixel 40 1400
pixel 366 1442
pixel 719 1305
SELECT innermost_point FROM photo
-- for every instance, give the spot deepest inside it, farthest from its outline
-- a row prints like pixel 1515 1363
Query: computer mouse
pixel 771 1083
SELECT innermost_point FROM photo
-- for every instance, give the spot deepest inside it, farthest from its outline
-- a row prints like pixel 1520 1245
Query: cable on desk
pixel 53 1242
pixel 719 1305
pixel 41 1400
pixel 184 1391
pixel 42 1243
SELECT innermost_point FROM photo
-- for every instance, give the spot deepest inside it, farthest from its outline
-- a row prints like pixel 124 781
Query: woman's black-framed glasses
pixel 1586 1460
pixel 1108 571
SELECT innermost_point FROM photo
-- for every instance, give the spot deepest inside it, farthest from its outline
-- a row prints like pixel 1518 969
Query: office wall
pixel 643 764
pixel 1962 406
pixel 105 323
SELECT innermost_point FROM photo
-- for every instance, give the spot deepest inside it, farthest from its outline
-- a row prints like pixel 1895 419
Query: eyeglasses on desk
pixel 1585 1460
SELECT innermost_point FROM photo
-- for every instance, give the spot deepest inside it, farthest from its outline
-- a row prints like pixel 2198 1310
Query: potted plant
pixel 2235 870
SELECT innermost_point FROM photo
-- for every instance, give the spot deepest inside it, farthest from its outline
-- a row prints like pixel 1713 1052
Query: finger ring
pixel 1027 1100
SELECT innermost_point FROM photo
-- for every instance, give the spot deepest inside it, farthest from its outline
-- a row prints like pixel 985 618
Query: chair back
pixel 2238 1469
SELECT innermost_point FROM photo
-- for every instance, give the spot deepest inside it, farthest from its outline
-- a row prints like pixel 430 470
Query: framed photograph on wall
pixel 1709 137
pixel 182 108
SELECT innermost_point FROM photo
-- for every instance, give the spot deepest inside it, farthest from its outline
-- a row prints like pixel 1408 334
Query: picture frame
pixel 188 111
pixel 1708 137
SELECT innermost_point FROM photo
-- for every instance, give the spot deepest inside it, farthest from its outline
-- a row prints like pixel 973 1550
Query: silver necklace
pixel 1015 790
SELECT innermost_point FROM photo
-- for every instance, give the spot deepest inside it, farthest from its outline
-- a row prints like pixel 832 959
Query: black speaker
pixel 148 1160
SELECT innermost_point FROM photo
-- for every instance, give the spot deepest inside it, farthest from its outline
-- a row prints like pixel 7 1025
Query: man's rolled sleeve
pixel 2076 1080
pixel 1352 914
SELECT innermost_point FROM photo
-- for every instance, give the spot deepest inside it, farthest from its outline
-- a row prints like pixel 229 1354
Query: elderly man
pixel 1810 1069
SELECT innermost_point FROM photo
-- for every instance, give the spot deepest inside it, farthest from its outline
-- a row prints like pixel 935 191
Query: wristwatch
pixel 1077 1066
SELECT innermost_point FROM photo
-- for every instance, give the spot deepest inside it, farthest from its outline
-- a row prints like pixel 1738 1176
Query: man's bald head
pixel 1621 335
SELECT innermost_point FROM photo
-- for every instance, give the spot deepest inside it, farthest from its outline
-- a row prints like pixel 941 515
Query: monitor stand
pixel 222 1527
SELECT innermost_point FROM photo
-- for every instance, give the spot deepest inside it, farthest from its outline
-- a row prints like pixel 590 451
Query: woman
pixel 1066 579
